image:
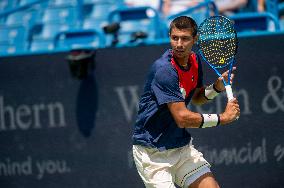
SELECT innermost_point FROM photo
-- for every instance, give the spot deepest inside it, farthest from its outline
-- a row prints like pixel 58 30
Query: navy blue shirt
pixel 166 82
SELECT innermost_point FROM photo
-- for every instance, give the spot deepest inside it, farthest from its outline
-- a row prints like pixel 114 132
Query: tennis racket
pixel 217 45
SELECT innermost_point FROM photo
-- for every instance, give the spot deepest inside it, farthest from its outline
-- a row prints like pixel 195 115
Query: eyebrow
pixel 189 36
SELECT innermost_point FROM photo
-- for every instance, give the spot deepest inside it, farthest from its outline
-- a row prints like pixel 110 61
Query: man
pixel 162 149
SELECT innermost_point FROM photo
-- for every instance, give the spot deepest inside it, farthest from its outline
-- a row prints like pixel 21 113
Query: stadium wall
pixel 58 131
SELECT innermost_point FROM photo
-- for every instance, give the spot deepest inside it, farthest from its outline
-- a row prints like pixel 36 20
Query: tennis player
pixel 162 147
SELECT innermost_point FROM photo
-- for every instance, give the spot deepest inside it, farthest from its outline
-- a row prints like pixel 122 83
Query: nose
pixel 179 43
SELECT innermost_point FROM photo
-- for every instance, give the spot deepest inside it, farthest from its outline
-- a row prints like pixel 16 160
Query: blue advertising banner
pixel 58 131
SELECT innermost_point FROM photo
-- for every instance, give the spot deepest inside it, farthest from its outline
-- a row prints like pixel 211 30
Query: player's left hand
pixel 219 83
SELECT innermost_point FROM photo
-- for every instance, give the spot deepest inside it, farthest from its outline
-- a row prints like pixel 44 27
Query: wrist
pixel 218 90
pixel 223 119
pixel 210 92
pixel 209 120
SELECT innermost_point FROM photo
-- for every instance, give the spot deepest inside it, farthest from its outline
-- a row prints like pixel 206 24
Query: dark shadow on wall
pixel 87 105
pixel 82 65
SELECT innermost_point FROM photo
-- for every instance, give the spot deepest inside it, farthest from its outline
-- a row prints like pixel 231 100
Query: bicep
pixel 177 108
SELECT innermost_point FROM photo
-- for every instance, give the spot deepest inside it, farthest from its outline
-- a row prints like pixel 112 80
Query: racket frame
pixel 227 84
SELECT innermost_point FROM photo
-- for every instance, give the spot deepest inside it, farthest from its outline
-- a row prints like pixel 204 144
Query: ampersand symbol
pixel 274 85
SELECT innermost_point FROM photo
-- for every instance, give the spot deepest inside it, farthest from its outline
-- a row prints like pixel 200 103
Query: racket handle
pixel 230 95
pixel 229 92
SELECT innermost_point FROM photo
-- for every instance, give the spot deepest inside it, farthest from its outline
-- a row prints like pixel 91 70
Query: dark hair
pixel 184 22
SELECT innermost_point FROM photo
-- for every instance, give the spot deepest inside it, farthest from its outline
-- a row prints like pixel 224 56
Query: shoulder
pixel 163 64
pixel 164 71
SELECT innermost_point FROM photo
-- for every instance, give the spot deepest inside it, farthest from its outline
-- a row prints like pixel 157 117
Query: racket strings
pixel 218 41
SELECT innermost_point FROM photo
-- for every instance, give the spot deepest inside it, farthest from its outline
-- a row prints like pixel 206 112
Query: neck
pixel 182 61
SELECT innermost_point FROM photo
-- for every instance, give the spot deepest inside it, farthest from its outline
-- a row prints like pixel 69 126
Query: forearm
pixel 185 118
pixel 188 119
pixel 205 94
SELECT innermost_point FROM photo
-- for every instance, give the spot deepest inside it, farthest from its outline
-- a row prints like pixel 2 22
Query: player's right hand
pixel 231 113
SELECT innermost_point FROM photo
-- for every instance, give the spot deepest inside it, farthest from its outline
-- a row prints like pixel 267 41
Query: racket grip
pixel 230 95
pixel 229 92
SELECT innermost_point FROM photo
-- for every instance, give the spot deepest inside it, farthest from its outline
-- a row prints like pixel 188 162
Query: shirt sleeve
pixel 165 86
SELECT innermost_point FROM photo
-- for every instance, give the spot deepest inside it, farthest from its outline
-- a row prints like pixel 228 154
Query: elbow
pixel 180 125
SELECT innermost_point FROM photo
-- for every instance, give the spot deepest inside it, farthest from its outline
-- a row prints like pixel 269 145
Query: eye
pixel 186 38
pixel 175 38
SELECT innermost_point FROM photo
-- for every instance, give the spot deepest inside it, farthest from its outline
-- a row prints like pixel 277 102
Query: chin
pixel 181 55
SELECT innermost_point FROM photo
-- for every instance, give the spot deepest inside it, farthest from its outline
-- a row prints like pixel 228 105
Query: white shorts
pixel 163 169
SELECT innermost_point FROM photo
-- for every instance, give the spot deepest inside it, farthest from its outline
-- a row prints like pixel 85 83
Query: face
pixel 182 42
